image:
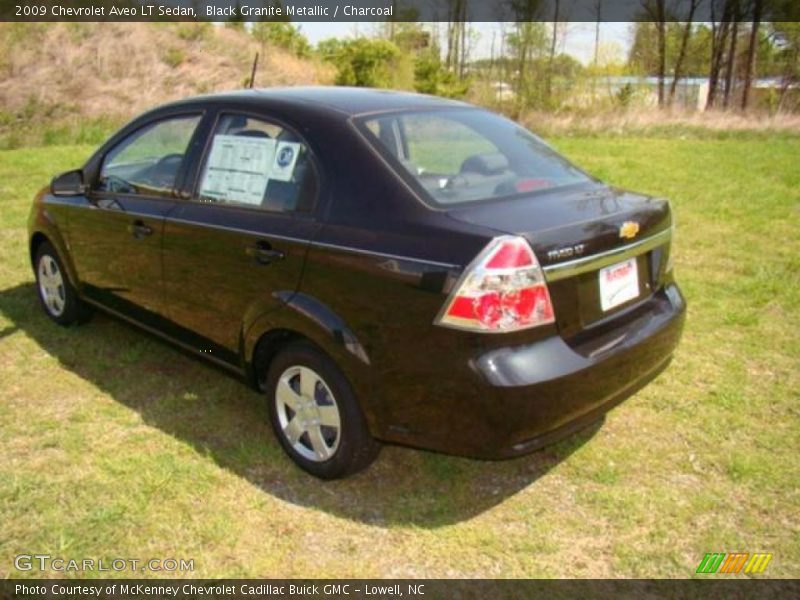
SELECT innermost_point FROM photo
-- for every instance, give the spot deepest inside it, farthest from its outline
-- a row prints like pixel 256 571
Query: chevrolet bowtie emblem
pixel 628 230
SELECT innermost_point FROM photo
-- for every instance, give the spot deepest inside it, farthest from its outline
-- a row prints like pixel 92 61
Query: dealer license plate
pixel 618 284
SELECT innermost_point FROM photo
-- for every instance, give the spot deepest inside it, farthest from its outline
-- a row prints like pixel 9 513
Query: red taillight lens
pixel 503 290
pixel 510 254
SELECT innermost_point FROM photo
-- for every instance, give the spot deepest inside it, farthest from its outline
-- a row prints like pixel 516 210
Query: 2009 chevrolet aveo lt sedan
pixel 383 266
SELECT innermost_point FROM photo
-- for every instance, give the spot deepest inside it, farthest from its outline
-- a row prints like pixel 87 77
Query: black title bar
pixel 388 10
pixel 374 589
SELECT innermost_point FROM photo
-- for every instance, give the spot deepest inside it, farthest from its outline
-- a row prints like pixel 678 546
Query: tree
pixel 687 59
pixel 656 11
pixel 698 53
pixel 643 54
pixel 361 62
pixel 528 45
pixel 410 37
pixel 751 52
pixel 719 35
pixel 282 34
pixel 730 63
pixel 788 56
pixel 687 33
pixel 431 76
pixel 785 30
pixel 428 72
pixel 551 57
pixel 458 37
pixel 404 20
pixel 598 10
pixel 236 21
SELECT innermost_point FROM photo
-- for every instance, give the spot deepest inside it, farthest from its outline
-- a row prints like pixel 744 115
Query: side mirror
pixel 68 184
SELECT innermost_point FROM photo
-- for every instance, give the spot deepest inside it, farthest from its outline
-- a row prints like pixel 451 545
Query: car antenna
pixel 253 73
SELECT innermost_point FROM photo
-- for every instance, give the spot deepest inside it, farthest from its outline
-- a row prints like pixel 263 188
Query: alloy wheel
pixel 51 286
pixel 307 412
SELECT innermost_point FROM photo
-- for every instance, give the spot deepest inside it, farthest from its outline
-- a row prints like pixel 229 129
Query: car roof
pixel 349 101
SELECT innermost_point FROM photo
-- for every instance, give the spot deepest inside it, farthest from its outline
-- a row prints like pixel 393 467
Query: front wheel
pixel 58 297
pixel 315 415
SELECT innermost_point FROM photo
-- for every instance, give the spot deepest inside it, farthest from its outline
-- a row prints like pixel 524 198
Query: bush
pixel 173 57
pixel 193 32
pixel 362 62
pixel 625 95
pixel 282 35
pixel 431 77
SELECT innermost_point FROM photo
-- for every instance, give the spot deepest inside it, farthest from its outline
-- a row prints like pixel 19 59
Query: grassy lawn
pixel 115 444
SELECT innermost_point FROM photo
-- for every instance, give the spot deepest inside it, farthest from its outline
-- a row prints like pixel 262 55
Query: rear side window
pixel 459 156
pixel 257 163
pixel 148 161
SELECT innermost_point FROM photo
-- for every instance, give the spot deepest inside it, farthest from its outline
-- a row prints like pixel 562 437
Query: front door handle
pixel 264 253
pixel 139 230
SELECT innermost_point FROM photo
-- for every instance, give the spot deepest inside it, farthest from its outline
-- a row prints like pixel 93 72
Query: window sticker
pixel 285 159
pixel 238 169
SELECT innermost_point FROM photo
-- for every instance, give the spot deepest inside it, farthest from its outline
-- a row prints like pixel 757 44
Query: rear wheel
pixel 315 414
pixel 58 297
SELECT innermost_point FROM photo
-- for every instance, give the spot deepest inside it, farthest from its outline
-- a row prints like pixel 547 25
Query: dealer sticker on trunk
pixel 618 284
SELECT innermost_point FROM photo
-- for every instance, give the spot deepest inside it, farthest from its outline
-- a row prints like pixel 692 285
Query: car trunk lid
pixel 579 237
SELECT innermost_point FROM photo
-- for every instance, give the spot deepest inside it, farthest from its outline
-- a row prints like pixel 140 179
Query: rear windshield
pixel 468 155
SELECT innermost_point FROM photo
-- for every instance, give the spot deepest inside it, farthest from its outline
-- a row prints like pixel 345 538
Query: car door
pixel 235 250
pixel 115 241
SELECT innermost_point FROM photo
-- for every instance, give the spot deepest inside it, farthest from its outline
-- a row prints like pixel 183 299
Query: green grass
pixel 114 444
pixel 32 128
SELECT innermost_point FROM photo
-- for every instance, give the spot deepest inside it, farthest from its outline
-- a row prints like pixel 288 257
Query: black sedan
pixel 383 266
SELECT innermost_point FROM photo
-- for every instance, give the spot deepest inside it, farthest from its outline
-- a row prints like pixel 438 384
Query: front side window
pixel 255 163
pixel 149 160
pixel 465 155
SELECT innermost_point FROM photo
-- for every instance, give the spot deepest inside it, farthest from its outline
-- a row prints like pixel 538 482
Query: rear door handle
pixel 264 253
pixel 139 230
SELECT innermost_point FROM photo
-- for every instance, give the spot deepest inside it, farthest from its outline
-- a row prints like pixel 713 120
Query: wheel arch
pixel 39 237
pixel 305 318
pixel 268 345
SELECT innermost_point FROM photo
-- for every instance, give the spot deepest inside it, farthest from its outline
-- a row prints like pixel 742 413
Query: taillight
pixel 502 290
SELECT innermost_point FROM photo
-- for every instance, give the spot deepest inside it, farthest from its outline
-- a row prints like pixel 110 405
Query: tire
pixel 57 296
pixel 315 415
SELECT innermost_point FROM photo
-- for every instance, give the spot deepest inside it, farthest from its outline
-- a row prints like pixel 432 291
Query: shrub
pixel 625 95
pixel 193 32
pixel 282 35
pixel 173 57
pixel 362 62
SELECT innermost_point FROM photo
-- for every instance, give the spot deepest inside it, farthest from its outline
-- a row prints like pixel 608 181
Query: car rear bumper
pixel 524 397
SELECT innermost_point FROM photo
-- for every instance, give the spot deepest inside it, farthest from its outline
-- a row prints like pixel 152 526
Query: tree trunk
pixel 491 58
pixel 718 39
pixel 448 60
pixel 782 95
pixel 662 60
pixel 598 7
pixel 553 42
pixel 462 61
pixel 522 60
pixel 751 54
pixel 730 68
pixel 453 35
pixel 656 10
pixel 687 32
